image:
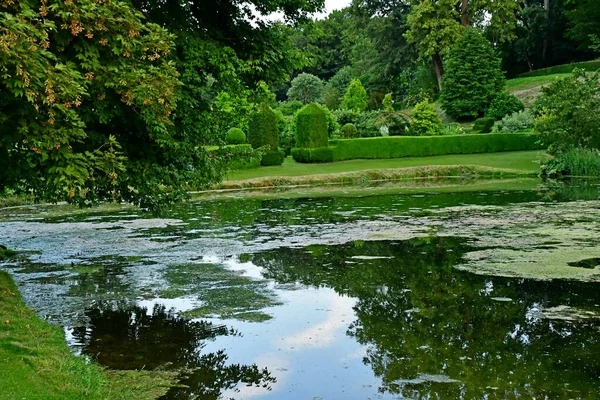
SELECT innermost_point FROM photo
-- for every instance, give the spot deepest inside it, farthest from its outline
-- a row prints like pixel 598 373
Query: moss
pixel 6 253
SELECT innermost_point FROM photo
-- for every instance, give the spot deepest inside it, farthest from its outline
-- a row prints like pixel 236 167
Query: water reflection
pixel 134 338
pixel 434 332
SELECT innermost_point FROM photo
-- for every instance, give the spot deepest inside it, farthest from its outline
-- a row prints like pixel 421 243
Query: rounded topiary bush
pixel 235 136
pixel 349 131
pixel 311 127
pixel 502 105
pixel 483 125
pixel 263 132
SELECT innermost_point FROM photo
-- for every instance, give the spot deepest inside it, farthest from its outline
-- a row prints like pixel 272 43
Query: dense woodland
pixel 117 100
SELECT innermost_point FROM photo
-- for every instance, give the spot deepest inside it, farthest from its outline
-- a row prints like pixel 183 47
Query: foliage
pixel 306 88
pixel 569 112
pixel 331 97
pixel 289 108
pixel 563 69
pixel 311 127
pixel 583 16
pixel 504 104
pixel 452 129
pixel 388 103
pixel 272 158
pixel 365 122
pixel 573 162
pixel 483 125
pixel 349 131
pixel 314 155
pixel 355 98
pixel 517 122
pixel 262 130
pixel 238 156
pixel 423 146
pixel 235 136
pixel 425 120
pixel 473 77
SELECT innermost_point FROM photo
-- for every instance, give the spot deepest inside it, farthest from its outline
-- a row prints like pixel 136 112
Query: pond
pixel 474 292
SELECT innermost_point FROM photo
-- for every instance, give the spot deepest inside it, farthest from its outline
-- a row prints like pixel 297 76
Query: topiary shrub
pixel 311 127
pixel 502 105
pixel 483 125
pixel 425 120
pixel 473 77
pixel 517 122
pixel 263 132
pixel 317 155
pixel 349 131
pixel 235 136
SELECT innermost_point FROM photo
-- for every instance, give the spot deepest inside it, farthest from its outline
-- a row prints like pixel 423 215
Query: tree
pixel 473 77
pixel 356 96
pixel 306 88
pixel 425 120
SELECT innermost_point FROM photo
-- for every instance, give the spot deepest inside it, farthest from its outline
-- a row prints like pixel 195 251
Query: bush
pixel 356 96
pixel 452 129
pixel 236 157
pixel 483 125
pixel 290 108
pixel 349 131
pixel 502 105
pixel 569 112
pixel 311 127
pixel 262 129
pixel 473 77
pixel 517 122
pixel 235 136
pixel 574 162
pixel 422 146
pixel 425 120
pixel 563 69
pixel 365 122
pixel 272 158
pixel 317 155
pixel 306 88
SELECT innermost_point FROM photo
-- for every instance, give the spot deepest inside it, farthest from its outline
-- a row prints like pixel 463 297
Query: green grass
pixel 517 84
pixel 523 161
pixel 35 362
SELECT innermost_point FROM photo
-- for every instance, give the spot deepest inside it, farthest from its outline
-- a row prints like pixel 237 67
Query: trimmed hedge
pixel 317 155
pixel 423 146
pixel 272 158
pixel 563 69
pixel 311 127
pixel 235 136
pixel 483 125
pixel 262 129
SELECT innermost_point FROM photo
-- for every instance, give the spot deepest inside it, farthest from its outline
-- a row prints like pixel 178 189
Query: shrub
pixel 502 105
pixel 349 131
pixel 569 112
pixel 306 88
pixel 365 122
pixel 516 122
pixel 289 108
pixel 574 162
pixel 425 120
pixel 452 129
pixel 483 125
pixel 262 128
pixel 473 77
pixel 316 155
pixel 235 157
pixel 235 136
pixel 356 96
pixel 272 158
pixel 422 146
pixel 311 127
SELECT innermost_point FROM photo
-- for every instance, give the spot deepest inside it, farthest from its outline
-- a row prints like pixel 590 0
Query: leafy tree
pixel 306 88
pixel 504 104
pixel 425 120
pixel 473 77
pixel 569 112
pixel 355 97
pixel 583 16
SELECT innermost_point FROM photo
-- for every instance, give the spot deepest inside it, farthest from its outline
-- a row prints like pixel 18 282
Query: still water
pixel 467 293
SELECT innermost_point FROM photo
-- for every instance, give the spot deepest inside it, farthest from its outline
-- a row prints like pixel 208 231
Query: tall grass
pixel 574 162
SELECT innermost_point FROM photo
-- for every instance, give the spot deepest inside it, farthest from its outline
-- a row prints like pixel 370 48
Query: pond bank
pixel 35 361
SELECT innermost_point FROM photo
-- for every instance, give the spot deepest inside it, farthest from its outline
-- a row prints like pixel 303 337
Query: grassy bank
pixel 35 362
pixel 523 163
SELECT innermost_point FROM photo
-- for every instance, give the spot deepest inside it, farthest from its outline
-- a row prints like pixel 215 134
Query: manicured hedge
pixel 272 158
pixel 317 155
pixel 311 127
pixel 563 69
pixel 422 146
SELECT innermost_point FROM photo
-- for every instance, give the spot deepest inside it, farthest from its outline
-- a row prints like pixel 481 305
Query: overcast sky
pixel 331 5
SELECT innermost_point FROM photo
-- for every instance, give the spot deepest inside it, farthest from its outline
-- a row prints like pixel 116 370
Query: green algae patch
pixel 234 302
pixel 6 253
pixel 36 362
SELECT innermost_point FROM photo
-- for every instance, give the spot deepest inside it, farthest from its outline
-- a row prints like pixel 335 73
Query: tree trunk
pixel 464 17
pixel 439 68
pixel 545 45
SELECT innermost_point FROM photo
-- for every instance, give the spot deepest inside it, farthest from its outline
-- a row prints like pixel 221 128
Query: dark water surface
pixel 486 294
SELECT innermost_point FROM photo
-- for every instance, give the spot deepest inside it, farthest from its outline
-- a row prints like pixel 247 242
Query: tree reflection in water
pixel 433 332
pixel 133 338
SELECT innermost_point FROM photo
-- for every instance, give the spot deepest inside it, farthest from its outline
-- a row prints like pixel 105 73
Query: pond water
pixel 472 293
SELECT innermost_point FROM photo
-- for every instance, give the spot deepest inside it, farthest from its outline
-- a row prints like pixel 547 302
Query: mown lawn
pixel 520 160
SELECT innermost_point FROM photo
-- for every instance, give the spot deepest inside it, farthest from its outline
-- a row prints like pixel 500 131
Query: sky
pixel 331 5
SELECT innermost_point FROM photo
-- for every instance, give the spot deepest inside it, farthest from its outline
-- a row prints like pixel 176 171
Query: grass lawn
pixel 35 362
pixel 517 84
pixel 525 161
